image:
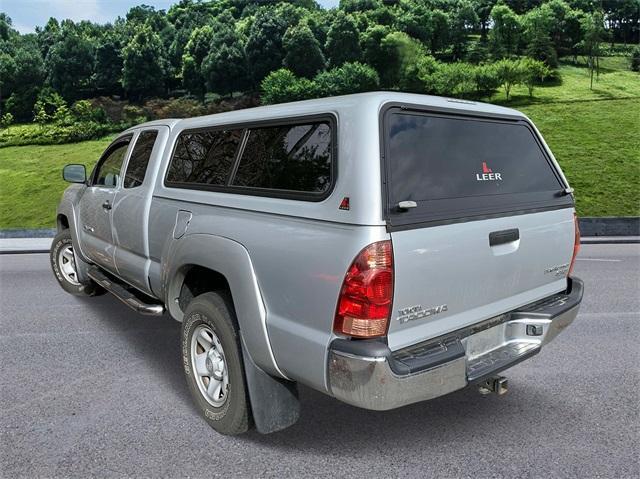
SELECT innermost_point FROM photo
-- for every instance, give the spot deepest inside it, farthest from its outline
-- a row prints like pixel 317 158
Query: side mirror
pixel 74 174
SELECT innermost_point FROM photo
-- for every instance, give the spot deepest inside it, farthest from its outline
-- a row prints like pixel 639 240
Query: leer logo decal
pixel 488 174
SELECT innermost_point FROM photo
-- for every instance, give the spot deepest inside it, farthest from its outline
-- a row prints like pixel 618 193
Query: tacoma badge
pixel 418 312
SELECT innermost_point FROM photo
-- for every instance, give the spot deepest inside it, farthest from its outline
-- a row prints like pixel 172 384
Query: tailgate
pixel 480 220
pixel 449 277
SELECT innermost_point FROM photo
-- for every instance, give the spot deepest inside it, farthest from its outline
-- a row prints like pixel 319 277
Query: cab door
pixel 96 205
pixel 130 214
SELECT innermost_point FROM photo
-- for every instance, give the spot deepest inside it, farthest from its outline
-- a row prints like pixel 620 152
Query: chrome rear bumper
pixel 367 374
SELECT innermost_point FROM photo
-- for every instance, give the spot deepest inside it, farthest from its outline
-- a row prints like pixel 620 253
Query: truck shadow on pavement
pixel 152 339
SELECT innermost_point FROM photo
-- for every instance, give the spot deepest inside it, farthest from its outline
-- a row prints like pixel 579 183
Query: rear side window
pixel 455 166
pixel 204 157
pixel 295 158
pixel 139 160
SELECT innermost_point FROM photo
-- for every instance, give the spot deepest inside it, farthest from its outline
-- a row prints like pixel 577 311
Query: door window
pixel 137 166
pixel 108 171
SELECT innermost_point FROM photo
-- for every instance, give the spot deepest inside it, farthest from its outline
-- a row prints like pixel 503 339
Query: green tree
pixel 349 78
pixel 343 41
pixel 48 35
pixel 439 31
pixel 509 74
pixel 418 75
pixel 414 19
pixel 400 51
pixel 69 64
pixel 282 86
pixel 108 64
pixel 225 68
pixel 372 51
pixel 351 6
pixel 533 72
pixel 264 49
pixel 303 53
pixel 21 72
pixel 593 34
pixel 504 36
pixel 463 20
pixel 144 65
pixel 537 25
pixel 198 47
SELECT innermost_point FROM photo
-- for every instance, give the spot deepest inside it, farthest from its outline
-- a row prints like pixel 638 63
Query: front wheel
pixel 212 362
pixel 63 264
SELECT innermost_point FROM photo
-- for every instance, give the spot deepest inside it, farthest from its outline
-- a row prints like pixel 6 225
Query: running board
pixel 121 291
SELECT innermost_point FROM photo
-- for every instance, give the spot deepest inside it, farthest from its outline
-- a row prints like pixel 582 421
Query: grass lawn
pixel 31 180
pixel 597 144
pixel 614 82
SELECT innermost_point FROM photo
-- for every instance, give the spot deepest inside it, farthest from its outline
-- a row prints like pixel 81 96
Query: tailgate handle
pixel 504 236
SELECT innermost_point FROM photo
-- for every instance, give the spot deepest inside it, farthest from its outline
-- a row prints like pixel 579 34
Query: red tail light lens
pixel 576 244
pixel 364 305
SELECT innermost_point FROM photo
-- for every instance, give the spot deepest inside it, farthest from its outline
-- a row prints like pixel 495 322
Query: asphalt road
pixel 89 388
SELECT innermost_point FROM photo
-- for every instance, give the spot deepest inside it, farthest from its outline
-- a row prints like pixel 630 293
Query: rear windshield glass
pixel 435 158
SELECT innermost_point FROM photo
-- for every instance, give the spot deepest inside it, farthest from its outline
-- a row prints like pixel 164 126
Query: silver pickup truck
pixel 382 248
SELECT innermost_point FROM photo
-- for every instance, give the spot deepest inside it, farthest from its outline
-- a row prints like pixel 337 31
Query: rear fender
pixel 232 260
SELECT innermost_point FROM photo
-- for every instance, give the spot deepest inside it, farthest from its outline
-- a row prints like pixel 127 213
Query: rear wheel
pixel 212 362
pixel 63 264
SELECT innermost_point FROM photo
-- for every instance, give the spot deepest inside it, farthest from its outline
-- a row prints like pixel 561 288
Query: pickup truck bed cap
pixel 334 104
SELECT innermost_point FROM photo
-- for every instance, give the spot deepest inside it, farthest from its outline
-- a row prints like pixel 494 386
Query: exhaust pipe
pixel 496 384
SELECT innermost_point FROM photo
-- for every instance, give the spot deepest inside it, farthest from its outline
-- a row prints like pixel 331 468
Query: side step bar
pixel 120 291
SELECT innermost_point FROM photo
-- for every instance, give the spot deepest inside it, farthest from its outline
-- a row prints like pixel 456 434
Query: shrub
pixel 6 120
pixel 133 114
pixel 635 59
pixel 83 110
pixel 172 108
pixel 454 79
pixel 50 106
pixel 20 104
pixel 486 80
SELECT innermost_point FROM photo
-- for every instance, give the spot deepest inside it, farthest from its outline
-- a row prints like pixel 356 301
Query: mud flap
pixel 274 402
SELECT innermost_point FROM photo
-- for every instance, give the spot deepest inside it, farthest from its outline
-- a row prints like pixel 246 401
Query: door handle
pixel 504 236
pixel 106 205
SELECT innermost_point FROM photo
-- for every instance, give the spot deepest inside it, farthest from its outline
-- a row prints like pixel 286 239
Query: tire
pixel 63 261
pixel 210 321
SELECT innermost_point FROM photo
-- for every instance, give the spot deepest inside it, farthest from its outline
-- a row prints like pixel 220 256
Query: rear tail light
pixel 364 304
pixel 576 244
